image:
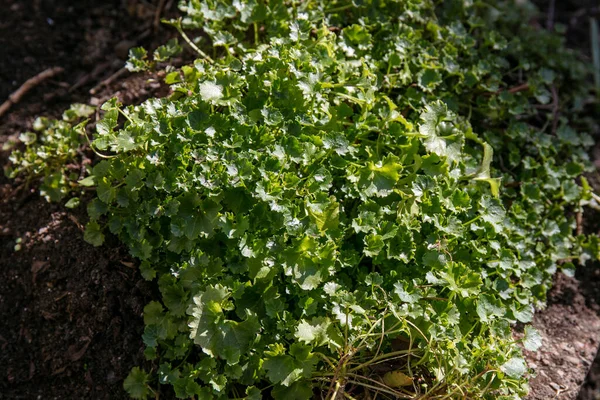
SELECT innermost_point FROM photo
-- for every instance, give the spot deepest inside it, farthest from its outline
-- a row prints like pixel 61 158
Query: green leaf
pixel 405 296
pixel 315 331
pixel 125 142
pixel 484 171
pixel 489 308
pixel 53 187
pixel 77 111
pixel 283 369
pixel 287 369
pixel 210 91
pixel 136 384
pixel 514 367
pixel 168 50
pixel 93 234
pixel 220 337
pixel 96 209
pixel 532 340
pixel 106 192
pixel 493 213
pixel 73 202
pixel 325 214
pixel 88 182
pixel 137 60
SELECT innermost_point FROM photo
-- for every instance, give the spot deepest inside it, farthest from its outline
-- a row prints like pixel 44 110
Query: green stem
pixel 338 9
pixel 378 358
pixel 469 222
pixel 191 43
pixel 94 150
pixel 381 389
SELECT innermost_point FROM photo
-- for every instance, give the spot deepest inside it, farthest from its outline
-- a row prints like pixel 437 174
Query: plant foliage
pixel 346 197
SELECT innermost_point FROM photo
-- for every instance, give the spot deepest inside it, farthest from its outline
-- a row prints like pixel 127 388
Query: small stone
pixel 554 386
pixel 545 362
pixel 572 360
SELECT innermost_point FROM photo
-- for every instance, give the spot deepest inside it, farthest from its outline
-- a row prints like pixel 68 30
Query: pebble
pixel 572 360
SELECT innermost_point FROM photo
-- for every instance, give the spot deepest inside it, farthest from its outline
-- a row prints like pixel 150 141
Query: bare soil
pixel 570 330
pixel 70 314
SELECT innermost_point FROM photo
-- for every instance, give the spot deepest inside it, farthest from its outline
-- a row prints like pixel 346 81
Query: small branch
pixel 519 88
pixel 108 80
pixel 159 10
pixel 514 89
pixel 550 20
pixel 16 96
pixel 555 108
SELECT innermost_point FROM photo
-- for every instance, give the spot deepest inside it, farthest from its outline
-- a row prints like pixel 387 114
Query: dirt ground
pixel 70 325
pixel 570 330
pixel 70 314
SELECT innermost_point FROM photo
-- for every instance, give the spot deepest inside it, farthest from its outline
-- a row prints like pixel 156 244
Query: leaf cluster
pixel 349 189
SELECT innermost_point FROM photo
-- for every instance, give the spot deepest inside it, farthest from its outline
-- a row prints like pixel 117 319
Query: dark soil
pixel 591 387
pixel 570 329
pixel 71 325
pixel 71 315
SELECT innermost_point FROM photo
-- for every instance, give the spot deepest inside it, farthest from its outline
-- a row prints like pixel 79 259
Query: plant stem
pixel 381 357
pixel 191 43
pixel 338 9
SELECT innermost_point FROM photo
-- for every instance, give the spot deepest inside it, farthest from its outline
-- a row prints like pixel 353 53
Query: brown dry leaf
pixel 128 264
pixel 74 354
pixel 396 379
pixel 37 267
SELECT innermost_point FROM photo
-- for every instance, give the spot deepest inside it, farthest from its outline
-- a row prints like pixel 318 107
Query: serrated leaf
pixel 73 202
pixel 324 214
pixel 106 192
pixel 218 336
pixel 315 331
pixel 136 384
pixel 210 91
pixel 532 340
pixel 88 181
pixel 93 234
pixel 514 367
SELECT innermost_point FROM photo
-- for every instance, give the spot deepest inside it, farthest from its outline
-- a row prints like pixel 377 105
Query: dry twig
pixel 29 84
pixel 551 11
pixel 555 109
pixel 108 80
pixel 159 10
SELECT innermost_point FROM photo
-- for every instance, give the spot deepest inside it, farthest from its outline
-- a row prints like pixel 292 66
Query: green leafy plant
pixel 50 152
pixel 348 198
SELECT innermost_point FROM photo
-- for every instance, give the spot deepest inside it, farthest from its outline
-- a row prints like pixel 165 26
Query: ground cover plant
pixel 339 199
